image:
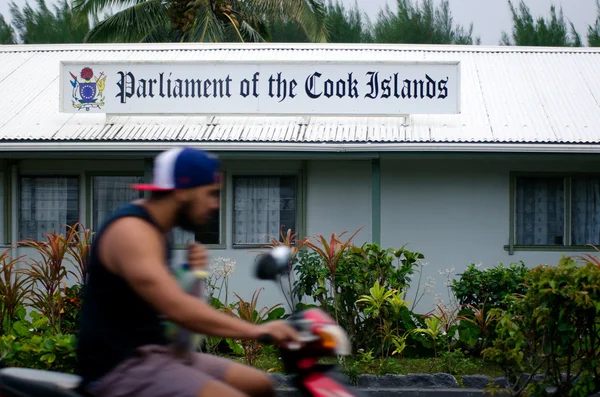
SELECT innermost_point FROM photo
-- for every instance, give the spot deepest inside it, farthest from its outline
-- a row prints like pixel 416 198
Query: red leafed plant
pixel 331 251
pixel 79 249
pixel 587 258
pixel 291 241
pixel 248 311
pixel 13 289
pixel 48 273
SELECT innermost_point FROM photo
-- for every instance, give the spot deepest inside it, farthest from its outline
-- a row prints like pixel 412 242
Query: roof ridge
pixel 333 47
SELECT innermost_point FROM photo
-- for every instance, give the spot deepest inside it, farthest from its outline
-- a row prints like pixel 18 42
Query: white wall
pixel 243 281
pixel 456 212
pixel 337 192
pixel 339 199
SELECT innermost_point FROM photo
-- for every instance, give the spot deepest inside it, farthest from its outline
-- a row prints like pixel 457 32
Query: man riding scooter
pixel 122 348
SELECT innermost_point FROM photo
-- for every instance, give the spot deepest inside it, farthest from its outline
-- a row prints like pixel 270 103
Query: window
pixel 109 193
pixel 262 205
pixel 585 211
pixel 208 234
pixel 542 215
pixel 47 204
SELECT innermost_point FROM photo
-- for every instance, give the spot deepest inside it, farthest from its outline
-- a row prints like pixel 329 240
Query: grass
pixel 268 361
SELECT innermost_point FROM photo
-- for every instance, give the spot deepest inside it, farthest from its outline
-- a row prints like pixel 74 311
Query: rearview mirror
pixel 274 263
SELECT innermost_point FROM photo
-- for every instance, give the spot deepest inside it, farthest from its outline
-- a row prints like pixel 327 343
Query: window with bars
pixel 109 192
pixel 262 205
pixel 47 204
pixel 557 210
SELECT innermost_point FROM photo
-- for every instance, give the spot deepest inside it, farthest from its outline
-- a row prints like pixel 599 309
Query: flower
pixel 87 73
pixel 223 267
pixel 429 286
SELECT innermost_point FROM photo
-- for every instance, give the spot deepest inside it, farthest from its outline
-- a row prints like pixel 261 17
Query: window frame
pixel 567 180
pixel 300 200
pixel 45 174
pixel 223 217
pixel 89 193
pixel 141 173
pixel 8 203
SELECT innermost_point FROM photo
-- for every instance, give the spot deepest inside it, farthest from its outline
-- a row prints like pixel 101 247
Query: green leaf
pixel 48 358
pixel 276 314
pixel 49 344
pixel 235 346
pixel 40 322
pixel 21 329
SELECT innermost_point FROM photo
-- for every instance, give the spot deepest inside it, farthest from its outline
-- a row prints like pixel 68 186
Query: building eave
pixel 29 146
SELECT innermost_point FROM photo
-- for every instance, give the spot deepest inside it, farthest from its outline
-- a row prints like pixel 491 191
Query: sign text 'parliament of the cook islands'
pixel 327 88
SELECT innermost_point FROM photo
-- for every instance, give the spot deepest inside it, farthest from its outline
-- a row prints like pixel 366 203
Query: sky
pixel 489 17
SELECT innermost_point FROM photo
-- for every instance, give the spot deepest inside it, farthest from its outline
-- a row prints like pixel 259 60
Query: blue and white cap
pixel 182 168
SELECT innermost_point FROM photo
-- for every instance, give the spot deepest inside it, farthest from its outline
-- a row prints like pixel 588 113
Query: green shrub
pixel 48 352
pixel 337 289
pixel 490 286
pixel 553 329
pixel 31 342
pixel 479 291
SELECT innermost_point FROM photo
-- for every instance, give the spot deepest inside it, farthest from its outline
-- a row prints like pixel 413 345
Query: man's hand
pixel 197 256
pixel 279 330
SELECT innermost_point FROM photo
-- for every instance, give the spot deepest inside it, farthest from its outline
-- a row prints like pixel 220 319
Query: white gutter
pixel 25 146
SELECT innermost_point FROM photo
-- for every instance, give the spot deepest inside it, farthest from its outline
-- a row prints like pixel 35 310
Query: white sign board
pixel 260 88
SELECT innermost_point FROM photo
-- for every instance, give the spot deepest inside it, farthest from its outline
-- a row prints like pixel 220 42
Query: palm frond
pixel 310 14
pixel 161 34
pixel 94 7
pixel 133 24
pixel 232 25
pixel 206 28
pixel 250 33
pixel 255 31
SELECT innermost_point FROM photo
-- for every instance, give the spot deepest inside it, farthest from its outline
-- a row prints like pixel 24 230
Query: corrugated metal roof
pixel 508 95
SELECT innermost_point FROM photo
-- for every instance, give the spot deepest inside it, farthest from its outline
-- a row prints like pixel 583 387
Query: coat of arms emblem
pixel 88 94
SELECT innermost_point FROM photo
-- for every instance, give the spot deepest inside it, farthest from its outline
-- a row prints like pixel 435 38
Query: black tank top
pixel 115 321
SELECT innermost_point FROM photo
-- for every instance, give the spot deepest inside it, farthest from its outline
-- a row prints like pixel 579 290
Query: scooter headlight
pixel 334 338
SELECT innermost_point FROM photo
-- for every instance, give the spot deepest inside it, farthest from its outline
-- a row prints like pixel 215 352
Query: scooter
pixel 320 337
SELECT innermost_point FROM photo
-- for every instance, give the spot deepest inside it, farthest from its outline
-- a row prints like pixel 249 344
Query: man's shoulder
pixel 129 226
pixel 128 237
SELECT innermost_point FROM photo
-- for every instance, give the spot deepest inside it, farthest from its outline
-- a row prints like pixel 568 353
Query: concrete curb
pixel 411 381
pixel 423 385
pixel 402 392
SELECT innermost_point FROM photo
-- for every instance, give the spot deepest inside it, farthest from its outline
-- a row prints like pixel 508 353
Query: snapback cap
pixel 182 168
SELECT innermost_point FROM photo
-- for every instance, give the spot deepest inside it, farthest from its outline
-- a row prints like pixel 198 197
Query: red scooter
pixel 321 337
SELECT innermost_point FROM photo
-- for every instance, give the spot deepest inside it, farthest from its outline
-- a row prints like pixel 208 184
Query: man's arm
pixel 135 250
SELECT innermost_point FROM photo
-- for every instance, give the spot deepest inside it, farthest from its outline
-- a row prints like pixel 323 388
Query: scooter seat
pixel 26 382
pixel 62 380
pixel 12 386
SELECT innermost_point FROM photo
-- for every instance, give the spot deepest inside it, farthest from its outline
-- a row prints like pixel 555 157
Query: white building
pixel 505 168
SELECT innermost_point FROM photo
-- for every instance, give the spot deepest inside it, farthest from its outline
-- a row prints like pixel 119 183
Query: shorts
pixel 156 372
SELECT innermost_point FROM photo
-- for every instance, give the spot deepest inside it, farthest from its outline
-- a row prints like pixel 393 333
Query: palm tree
pixel 199 20
pixel 42 26
pixel 7 33
pixel 528 31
